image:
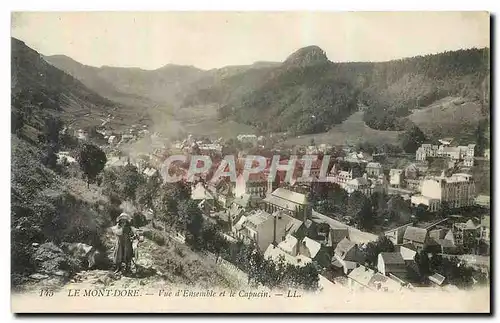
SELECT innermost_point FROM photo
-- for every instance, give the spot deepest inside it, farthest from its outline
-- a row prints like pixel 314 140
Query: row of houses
pixel 444 237
pixel 463 153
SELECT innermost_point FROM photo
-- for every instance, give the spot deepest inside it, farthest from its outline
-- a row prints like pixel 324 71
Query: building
pixel 360 184
pixel 485 229
pixel 414 184
pixel 276 254
pixel 391 262
pixel 483 200
pixel 264 228
pixel 457 190
pixel 256 185
pixel 417 236
pixel 432 204
pixel 373 169
pixel 380 184
pixel 291 203
pixel 363 278
pixel 336 235
pixel 444 150
pixel 248 138
pixel 112 140
pixel 396 177
pixel 467 234
pixel 347 255
pixel 396 234
pixel 487 154
pixel 437 279
pixel 408 251
pixel 290 245
pixel 468 161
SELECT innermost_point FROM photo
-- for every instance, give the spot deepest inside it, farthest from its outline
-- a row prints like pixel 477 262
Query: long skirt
pixel 123 251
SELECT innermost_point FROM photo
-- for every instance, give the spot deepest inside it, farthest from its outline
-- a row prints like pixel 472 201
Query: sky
pixel 208 40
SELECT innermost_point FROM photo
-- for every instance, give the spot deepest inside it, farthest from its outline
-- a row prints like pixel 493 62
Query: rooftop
pixel 392 258
pixel 290 196
pixel 257 218
pixel 312 246
pixel 276 254
pixel 289 244
pixel 415 234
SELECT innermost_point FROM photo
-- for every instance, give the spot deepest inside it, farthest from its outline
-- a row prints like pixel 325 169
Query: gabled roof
pixel 312 246
pixel 361 275
pixel 437 279
pixel 290 196
pixel 289 244
pixel 257 218
pixel 337 234
pixel 242 200
pixel 392 258
pixel 344 246
pixel 407 251
pixel 201 193
pixel 415 234
pixel 445 243
pixel 293 224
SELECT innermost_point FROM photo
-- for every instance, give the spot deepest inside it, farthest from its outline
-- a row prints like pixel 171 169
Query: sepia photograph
pixel 250 162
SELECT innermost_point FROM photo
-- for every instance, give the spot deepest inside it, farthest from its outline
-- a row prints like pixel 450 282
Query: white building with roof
pixel 361 184
pixel 396 177
pixel 276 254
pixel 457 190
pixel 291 203
pixel 373 169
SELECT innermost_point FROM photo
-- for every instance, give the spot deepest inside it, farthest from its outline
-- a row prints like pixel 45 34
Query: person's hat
pixel 123 216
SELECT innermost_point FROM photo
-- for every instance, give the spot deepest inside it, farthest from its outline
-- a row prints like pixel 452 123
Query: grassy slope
pixel 451 115
pixel 350 131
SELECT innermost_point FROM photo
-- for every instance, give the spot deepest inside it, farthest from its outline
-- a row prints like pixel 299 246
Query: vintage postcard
pixel 236 162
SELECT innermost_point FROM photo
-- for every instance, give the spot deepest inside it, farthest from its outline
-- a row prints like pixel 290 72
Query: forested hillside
pixel 393 89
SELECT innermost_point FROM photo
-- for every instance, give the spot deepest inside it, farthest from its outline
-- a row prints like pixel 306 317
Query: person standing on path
pixel 125 234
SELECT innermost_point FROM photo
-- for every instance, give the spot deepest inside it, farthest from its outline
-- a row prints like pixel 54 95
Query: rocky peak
pixel 309 55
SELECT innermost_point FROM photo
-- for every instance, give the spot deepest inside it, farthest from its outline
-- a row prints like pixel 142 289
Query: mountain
pixel 39 90
pixel 306 56
pixel 394 89
pixel 306 93
pixel 306 84
pixel 135 86
pixel 167 86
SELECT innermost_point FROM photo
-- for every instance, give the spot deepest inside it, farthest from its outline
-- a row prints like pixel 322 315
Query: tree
pixel 190 218
pixel 412 139
pixel 92 161
pixel 421 212
pixel 480 138
pixel 51 131
pixel 383 244
pixel 130 179
pixel 146 194
pixel 359 207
